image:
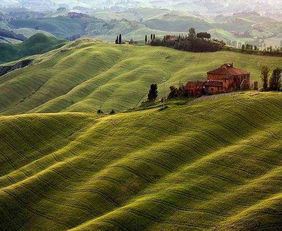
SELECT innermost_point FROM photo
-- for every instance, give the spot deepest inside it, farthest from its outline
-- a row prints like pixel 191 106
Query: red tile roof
pixel 228 69
pixel 195 83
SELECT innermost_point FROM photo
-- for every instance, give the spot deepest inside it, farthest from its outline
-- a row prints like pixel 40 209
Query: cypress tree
pixel 264 76
pixel 120 39
pixel 275 80
pixel 146 39
pixel 153 92
pixel 243 47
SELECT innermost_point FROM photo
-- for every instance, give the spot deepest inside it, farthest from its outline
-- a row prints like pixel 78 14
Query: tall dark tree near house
pixel 192 34
pixel 243 47
pixel 153 93
pixel 181 90
pixel 151 37
pixel 275 80
pixel 146 39
pixel 264 70
pixel 173 92
pixel 120 39
pixel 116 40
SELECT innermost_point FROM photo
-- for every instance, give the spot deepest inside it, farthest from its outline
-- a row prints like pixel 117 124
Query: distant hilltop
pixel 77 15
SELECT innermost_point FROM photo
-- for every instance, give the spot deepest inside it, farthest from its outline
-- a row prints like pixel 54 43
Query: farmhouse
pixel 224 79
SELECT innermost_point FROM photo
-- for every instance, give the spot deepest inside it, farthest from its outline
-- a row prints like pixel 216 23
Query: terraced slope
pixel 212 164
pixel 86 75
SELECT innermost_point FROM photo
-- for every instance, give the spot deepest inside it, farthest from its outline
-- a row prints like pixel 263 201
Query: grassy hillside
pixel 86 75
pixel 37 44
pixel 212 164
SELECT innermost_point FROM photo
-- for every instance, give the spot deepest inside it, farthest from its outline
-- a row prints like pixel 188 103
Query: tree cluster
pixel 119 39
pixel 273 82
pixel 152 37
pixel 194 42
pixel 176 92
pixel 253 49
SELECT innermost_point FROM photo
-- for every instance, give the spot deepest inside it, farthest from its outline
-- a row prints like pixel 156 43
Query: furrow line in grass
pixel 47 144
pixel 25 205
pixel 100 193
pixel 38 163
pixel 271 226
pixel 236 192
pixel 254 209
pixel 244 118
pixel 133 171
pixel 182 208
pixel 99 75
pixel 68 90
pixel 227 216
pixel 255 158
pixel 223 178
pixel 227 127
pixel 263 148
pixel 155 219
pixel 274 102
pixel 230 167
pixel 12 218
pixel 205 189
pixel 56 188
pixel 106 197
pixel 116 224
pixel 58 201
pixel 14 104
pixel 155 162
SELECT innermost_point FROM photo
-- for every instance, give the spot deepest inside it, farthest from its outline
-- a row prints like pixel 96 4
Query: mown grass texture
pixel 211 164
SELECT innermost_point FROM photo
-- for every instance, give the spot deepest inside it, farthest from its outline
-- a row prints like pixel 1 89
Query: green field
pixel 86 75
pixel 212 164
pixel 209 164
pixel 36 44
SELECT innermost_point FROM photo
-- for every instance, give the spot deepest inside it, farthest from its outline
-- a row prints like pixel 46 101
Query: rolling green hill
pixel 211 164
pixel 246 27
pixel 36 44
pixel 86 75
pixel 61 27
pixel 178 23
pixel 65 27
